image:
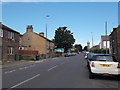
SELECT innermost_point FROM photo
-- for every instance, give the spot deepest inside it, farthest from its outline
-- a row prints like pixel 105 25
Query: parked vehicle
pixel 103 64
pixel 68 54
pixel 86 55
pixel 88 58
pixel 73 54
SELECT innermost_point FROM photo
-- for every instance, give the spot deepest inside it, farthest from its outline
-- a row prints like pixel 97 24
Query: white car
pixel 103 64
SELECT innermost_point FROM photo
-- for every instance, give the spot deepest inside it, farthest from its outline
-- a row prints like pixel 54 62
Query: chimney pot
pixel 42 34
pixel 29 28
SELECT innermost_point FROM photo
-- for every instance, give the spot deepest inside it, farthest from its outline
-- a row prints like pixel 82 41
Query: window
pixel 1 33
pixel 10 51
pixel 10 35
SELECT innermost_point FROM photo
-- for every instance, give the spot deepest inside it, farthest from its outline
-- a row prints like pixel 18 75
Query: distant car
pixel 68 54
pixel 103 64
pixel 73 54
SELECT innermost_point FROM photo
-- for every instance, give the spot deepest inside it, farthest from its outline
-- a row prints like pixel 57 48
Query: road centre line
pixel 24 81
pixel 21 68
pixel 52 68
pixel 9 71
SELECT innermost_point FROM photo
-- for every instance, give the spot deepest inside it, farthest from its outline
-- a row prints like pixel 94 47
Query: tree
pixel 79 47
pixel 63 38
pixel 85 48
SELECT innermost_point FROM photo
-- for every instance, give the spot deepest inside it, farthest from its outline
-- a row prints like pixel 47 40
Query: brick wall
pixel 0 49
pixel 10 43
pixel 28 52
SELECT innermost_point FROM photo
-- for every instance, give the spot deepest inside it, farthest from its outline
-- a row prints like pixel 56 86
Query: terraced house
pixel 1 35
pixel 37 42
pixel 9 43
pixel 115 42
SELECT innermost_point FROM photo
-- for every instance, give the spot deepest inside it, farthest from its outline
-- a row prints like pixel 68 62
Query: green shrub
pixel 102 51
pixel 28 58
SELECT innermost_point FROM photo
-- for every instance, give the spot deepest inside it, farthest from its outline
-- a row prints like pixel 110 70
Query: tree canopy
pixel 63 38
pixel 79 47
pixel 86 48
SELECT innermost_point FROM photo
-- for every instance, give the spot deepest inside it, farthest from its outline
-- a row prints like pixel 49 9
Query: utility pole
pixel 92 38
pixel 46 34
pixel 106 35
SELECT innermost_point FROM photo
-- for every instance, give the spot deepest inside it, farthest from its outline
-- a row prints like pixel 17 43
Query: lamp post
pixel 46 33
pixel 92 38
pixel 106 35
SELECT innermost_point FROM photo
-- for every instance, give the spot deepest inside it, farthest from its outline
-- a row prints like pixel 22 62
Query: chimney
pixel 29 28
pixel 42 34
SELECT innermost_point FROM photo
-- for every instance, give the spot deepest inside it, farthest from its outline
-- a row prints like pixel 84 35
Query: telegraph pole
pixel 92 38
pixel 46 33
pixel 106 35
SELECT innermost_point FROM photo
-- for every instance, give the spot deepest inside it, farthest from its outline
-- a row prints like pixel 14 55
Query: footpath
pixel 15 64
pixel 22 63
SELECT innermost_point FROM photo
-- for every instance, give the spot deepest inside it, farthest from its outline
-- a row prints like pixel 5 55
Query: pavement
pixel 64 72
pixel 22 63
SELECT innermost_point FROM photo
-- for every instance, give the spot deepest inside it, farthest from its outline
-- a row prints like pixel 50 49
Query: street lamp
pixel 106 35
pixel 92 38
pixel 46 34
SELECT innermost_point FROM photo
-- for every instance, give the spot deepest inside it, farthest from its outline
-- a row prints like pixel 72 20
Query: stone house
pixel 1 36
pixel 105 39
pixel 34 41
pixel 115 42
pixel 9 42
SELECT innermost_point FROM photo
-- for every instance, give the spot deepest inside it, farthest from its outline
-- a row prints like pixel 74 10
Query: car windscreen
pixel 104 58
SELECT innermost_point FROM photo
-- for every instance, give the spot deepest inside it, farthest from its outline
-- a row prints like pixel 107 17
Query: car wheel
pixel 91 75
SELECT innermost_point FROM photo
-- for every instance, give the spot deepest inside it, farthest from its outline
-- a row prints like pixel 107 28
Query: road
pixel 63 72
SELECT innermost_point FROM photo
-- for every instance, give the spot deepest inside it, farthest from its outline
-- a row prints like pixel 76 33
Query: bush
pixel 28 59
pixel 103 51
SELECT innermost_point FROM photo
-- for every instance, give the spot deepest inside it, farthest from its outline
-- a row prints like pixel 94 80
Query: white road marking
pixel 52 68
pixel 55 58
pixel 67 57
pixel 25 81
pixel 12 71
pixel 38 61
pixel 9 71
pixel 21 68
pixel 25 67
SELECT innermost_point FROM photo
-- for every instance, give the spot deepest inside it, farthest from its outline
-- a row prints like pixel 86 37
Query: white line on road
pixel 13 71
pixel 25 81
pixel 21 68
pixel 38 61
pixel 55 58
pixel 52 68
pixel 25 67
pixel 10 71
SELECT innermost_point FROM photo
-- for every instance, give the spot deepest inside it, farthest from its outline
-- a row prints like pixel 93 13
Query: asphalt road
pixel 63 72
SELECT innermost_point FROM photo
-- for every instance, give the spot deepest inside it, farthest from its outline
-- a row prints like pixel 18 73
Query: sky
pixel 59 0
pixel 81 18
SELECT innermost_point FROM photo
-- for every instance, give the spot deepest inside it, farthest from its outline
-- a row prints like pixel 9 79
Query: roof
pixel 45 38
pixel 7 28
pixel 114 29
pixel 104 37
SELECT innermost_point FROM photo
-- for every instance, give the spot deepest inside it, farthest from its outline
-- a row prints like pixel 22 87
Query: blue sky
pixel 81 18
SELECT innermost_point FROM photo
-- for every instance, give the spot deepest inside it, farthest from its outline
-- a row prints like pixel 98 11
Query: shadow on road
pixel 110 78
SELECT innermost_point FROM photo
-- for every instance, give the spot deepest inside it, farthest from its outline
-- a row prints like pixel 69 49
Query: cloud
pixel 60 0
